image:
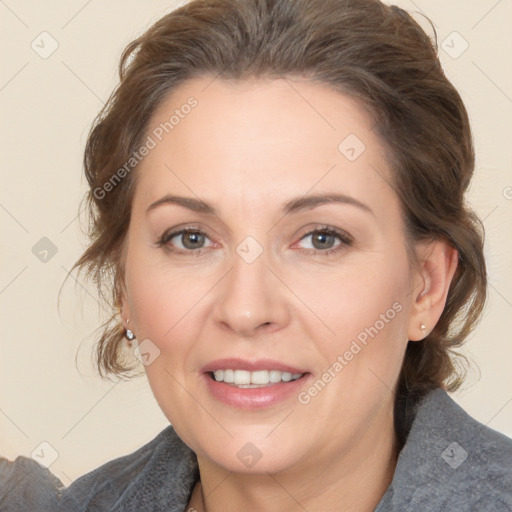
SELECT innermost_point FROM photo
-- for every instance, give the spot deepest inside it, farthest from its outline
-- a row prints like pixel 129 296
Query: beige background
pixel 47 107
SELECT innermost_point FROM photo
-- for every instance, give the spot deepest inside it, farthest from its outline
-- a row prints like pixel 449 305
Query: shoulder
pixel 452 462
pixel 25 485
pixel 478 458
pixel 486 451
pixel 163 469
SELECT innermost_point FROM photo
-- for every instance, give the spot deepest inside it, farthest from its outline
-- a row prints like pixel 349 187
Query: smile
pixel 254 379
pixel 252 384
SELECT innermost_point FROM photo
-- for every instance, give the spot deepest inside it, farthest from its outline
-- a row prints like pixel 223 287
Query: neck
pixel 355 481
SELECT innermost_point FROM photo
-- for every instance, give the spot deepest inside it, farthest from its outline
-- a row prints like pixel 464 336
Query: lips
pixel 250 366
pixel 252 384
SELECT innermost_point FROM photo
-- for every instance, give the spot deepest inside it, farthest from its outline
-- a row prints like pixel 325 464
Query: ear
pixel 438 262
pixel 125 314
pixel 122 304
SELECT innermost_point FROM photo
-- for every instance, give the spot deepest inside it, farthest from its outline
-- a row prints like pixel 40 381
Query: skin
pixel 247 148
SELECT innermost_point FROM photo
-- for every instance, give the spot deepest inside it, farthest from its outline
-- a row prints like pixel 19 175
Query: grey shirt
pixel 449 463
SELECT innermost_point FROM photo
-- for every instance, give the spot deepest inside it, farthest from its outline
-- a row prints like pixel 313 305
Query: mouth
pixel 253 384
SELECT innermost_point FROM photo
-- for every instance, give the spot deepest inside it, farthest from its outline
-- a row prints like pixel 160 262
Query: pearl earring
pixel 129 333
pixel 423 327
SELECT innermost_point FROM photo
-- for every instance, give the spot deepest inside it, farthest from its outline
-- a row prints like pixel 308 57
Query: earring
pixel 423 328
pixel 424 292
pixel 129 333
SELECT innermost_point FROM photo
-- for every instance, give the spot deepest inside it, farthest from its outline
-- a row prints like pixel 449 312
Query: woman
pixel 277 194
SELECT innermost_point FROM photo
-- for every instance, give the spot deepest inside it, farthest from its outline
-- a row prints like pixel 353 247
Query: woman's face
pixel 283 257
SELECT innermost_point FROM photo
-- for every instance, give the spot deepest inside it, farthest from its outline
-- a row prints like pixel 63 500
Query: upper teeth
pixel 259 377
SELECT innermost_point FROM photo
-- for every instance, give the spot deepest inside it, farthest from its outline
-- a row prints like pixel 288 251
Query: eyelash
pixel 346 240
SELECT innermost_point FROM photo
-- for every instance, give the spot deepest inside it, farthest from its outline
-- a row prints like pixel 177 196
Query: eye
pixel 323 240
pixel 184 241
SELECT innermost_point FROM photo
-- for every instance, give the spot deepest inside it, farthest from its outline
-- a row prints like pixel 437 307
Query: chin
pixel 247 458
pixel 251 450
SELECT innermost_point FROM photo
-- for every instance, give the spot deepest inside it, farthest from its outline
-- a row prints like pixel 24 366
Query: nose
pixel 252 299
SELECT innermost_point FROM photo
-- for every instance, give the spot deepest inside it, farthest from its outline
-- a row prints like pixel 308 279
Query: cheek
pixel 168 309
pixel 160 297
pixel 354 297
pixel 364 318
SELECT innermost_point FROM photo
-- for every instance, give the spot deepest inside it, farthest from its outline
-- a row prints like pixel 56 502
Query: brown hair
pixel 377 54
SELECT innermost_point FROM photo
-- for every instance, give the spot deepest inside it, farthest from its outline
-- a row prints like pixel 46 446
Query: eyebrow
pixel 292 206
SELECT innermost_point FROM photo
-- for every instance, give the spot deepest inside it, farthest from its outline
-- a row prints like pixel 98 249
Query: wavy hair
pixel 375 53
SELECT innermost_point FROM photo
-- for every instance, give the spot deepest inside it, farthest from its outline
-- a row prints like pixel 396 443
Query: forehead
pixel 260 139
